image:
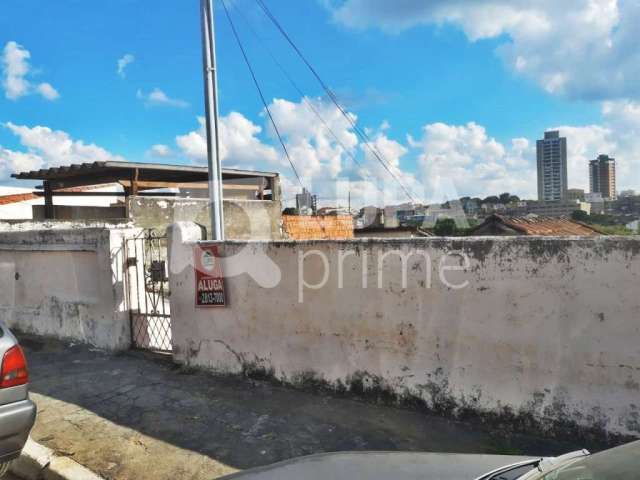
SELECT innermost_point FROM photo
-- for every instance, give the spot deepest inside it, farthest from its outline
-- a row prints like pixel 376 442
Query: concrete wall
pixel 244 219
pixel 68 212
pixel 66 283
pixel 34 225
pixel 540 329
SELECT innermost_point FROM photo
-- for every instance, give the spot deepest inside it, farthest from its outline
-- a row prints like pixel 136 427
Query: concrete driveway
pixel 133 416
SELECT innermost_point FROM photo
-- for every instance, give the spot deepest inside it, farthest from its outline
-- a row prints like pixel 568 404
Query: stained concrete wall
pixel 66 284
pixel 243 219
pixel 542 330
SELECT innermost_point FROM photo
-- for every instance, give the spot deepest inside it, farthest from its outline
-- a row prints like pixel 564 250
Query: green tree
pixel 613 229
pixel 580 216
pixel 445 227
pixel 505 198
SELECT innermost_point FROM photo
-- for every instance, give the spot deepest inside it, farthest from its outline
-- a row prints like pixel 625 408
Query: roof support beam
pixel 105 194
pixel 48 202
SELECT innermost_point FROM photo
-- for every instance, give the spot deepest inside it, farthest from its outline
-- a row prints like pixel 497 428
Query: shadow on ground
pixel 238 422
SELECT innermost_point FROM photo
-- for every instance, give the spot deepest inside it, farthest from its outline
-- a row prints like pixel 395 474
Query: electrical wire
pixel 297 88
pixel 334 99
pixel 262 97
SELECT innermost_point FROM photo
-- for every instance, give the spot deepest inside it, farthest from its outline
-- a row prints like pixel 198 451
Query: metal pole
pixel 211 115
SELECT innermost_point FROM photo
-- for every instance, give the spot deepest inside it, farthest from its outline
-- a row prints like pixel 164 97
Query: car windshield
pixel 622 463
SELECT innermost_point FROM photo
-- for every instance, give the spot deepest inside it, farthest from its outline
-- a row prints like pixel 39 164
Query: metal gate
pixel 148 291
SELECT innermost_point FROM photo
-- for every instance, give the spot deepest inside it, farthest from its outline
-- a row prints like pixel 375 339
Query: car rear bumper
pixel 16 420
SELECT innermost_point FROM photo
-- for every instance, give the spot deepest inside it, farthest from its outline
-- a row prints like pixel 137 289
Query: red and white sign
pixel 209 277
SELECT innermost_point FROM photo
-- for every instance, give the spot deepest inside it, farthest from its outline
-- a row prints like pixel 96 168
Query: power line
pixel 257 84
pixel 295 85
pixel 334 98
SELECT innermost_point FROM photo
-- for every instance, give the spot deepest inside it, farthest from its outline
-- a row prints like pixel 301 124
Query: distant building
pixel 306 203
pixel 498 225
pixel 405 216
pixel 627 193
pixel 471 206
pixel 596 201
pixel 602 176
pixel 625 205
pixel 327 211
pixel 575 194
pixel 391 217
pixel 552 167
pixel 370 217
pixel 548 209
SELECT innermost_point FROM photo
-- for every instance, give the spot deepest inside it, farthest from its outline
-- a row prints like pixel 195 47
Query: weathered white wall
pixel 66 284
pixel 243 219
pixel 545 328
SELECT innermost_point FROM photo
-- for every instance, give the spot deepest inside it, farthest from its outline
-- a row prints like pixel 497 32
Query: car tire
pixel 4 468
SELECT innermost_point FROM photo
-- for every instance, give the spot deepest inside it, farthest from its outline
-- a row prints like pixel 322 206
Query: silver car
pixel 17 412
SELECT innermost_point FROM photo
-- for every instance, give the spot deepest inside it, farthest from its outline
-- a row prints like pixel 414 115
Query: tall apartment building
pixel 306 203
pixel 602 176
pixel 552 167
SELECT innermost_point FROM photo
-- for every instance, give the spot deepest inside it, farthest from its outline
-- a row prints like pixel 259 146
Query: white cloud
pixel 313 149
pixel 239 144
pixel 585 143
pixel 387 181
pixel 323 162
pixel 161 151
pixel 479 19
pixel 194 144
pixel 452 160
pixel 580 48
pixel 460 160
pixel 475 164
pixel 617 136
pixel 48 148
pixel 123 62
pixel 157 98
pixel 47 91
pixel 12 161
pixel 15 66
pixel 15 72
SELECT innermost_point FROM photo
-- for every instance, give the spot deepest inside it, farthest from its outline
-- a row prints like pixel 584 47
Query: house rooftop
pixel 149 179
pixel 543 226
pixel 113 172
pixel 17 198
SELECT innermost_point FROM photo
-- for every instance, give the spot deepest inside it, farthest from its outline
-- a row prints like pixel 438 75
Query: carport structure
pixel 148 179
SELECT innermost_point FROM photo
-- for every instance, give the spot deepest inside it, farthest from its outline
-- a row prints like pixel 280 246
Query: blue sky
pixel 445 93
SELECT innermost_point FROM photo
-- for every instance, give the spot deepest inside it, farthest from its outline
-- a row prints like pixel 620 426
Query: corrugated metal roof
pixel 333 227
pixel 546 226
pixel 125 169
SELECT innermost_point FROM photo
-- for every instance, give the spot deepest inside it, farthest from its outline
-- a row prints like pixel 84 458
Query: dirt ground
pixel 135 416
